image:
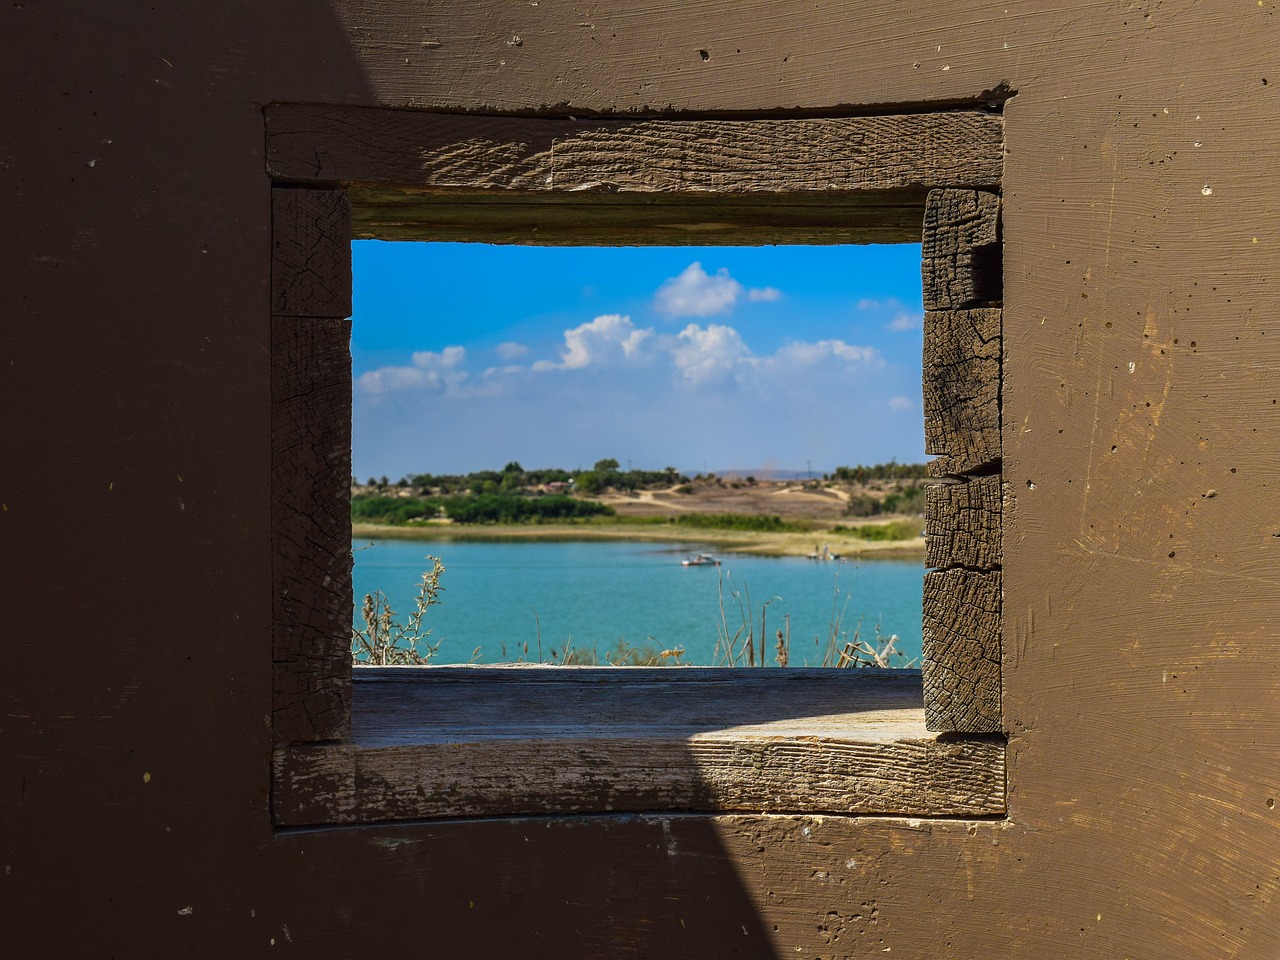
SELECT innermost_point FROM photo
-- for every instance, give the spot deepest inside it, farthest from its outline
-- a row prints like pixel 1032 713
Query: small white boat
pixel 701 560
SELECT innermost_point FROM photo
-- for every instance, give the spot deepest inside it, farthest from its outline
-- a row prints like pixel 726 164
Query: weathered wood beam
pixel 962 604
pixel 962 357
pixel 548 219
pixel 501 742
pixel 350 145
pixel 962 650
pixel 963 524
pixel 311 527
pixel 959 256
pixel 961 272
pixel 311 463
pixel 310 253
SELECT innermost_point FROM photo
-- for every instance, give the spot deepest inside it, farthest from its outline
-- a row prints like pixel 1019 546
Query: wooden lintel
pixel 350 145
pixel 617 219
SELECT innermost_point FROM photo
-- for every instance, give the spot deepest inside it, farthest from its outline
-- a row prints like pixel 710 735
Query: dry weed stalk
pixel 384 640
pixel 837 649
pixel 860 653
pixel 751 652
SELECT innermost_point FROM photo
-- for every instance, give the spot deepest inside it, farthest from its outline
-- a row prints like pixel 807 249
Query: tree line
pixel 606 474
pixel 513 479
pixel 893 470
pixel 475 508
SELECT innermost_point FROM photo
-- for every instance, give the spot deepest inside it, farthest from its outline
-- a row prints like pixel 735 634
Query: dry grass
pixel 745 647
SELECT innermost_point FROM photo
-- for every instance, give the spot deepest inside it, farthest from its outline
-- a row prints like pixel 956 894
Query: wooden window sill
pixel 476 741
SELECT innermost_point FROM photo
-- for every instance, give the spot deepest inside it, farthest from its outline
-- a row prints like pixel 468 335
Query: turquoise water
pixel 600 592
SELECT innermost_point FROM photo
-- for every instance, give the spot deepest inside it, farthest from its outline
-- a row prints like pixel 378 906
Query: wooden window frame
pixel 503 741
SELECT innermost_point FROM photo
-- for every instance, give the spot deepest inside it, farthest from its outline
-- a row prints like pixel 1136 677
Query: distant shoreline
pixel 732 541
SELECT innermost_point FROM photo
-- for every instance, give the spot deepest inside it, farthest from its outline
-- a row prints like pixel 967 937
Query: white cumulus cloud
pixel 702 353
pixel 901 403
pixel 696 293
pixel 764 294
pixel 428 371
pixel 805 353
pixel 904 321
pixel 610 339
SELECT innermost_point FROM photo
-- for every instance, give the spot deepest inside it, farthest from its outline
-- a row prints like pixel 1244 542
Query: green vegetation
pixel 739 521
pixel 893 470
pixel 604 474
pixel 372 508
pixel 514 495
pixel 505 508
pixel 907 500
pixel 474 508
pixel 750 522
pixel 891 531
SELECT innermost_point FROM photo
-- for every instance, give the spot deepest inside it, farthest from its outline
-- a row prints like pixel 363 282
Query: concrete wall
pixel 1142 588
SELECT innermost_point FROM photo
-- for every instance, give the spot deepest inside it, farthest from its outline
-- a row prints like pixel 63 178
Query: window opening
pixel 765 740
pixel 755 405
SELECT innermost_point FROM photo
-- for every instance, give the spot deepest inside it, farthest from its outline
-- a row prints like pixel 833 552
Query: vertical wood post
pixel 311 463
pixel 963 344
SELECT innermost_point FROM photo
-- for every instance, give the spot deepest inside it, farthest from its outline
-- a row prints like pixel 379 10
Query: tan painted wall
pixel 1142 441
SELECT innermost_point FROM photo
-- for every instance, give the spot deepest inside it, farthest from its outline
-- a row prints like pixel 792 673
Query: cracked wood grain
pixel 962 624
pixel 962 356
pixel 961 644
pixel 447 151
pixel 962 606
pixel 311 526
pixel 310 253
pixel 960 256
pixel 963 523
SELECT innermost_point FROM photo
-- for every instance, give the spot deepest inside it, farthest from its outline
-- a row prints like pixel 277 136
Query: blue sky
pixel 467 356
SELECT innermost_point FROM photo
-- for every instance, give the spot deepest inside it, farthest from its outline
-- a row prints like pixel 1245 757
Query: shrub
pixel 384 639
pixel 392 510
pixel 908 500
pixel 863 505
pixel 894 530
pixel 738 521
pixel 507 508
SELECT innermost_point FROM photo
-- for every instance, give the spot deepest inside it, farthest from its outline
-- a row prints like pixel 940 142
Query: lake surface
pixel 601 592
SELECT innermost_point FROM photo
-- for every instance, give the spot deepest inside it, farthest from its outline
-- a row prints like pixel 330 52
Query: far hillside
pixel 554 495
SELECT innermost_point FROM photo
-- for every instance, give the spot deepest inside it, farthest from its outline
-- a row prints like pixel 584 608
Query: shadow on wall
pixel 135 781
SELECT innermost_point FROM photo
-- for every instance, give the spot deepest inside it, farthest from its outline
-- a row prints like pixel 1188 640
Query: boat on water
pixel 700 560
